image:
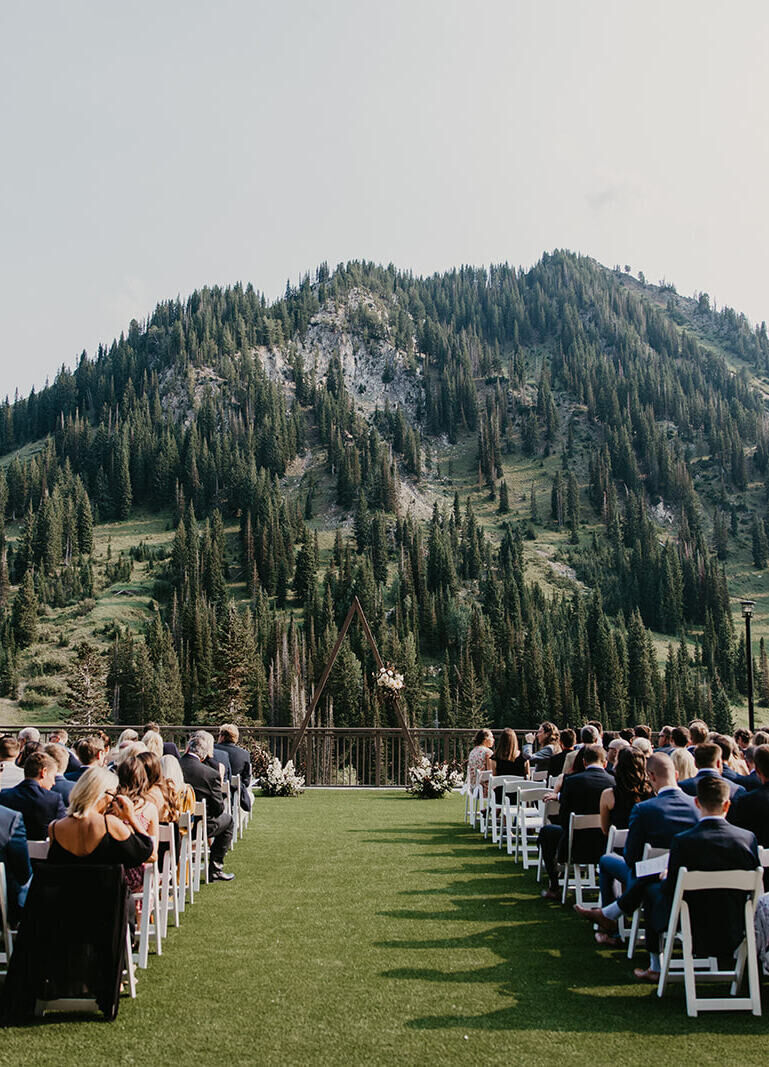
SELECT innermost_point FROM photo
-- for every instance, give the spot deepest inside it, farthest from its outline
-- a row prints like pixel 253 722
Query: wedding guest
pixel 567 739
pixel 665 740
pixel 153 742
pixel 546 738
pixel 10 772
pixel 33 797
pixel 508 760
pixel 683 763
pixel 91 752
pixel 133 783
pixel 240 760
pixel 60 756
pixel 709 763
pixel 59 736
pixel 479 758
pixel 208 786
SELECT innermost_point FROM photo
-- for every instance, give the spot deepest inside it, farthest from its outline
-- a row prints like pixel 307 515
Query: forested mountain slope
pixel 520 474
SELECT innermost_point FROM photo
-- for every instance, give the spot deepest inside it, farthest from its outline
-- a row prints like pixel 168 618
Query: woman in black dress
pixel 507 759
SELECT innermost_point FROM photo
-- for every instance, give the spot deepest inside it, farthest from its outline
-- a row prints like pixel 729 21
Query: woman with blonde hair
pixel 153 742
pixel 100 827
pixel 683 762
pixel 184 793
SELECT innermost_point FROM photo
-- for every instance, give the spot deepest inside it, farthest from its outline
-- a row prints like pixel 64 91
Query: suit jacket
pixel 240 763
pixel 14 854
pixel 717 915
pixel 581 794
pixel 170 749
pixel 748 781
pixel 751 812
pixel 77 772
pixel 73 762
pixel 206 783
pixel 656 821
pixel 38 806
pixel 62 787
pixel 223 757
pixel 689 785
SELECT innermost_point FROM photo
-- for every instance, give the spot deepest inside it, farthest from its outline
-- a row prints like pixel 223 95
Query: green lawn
pixel 371 928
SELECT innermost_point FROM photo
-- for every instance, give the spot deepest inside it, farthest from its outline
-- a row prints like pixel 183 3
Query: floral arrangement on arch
pixel 389 680
pixel 282 781
pixel 430 781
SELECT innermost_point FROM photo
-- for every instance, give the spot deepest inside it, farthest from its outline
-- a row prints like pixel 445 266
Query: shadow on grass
pixel 548 968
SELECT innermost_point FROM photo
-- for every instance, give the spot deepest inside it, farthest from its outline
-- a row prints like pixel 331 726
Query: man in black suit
pixel 653 822
pixel 709 762
pixel 207 784
pixel 240 761
pixel 717 916
pixel 581 794
pixel 33 797
pixel 91 752
pixel 15 855
pixel 751 811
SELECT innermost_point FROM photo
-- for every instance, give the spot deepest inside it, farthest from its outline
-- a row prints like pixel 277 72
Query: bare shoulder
pixel 117 828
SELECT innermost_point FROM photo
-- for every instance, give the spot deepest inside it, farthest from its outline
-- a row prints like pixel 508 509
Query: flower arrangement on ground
pixel 389 680
pixel 429 780
pixel 282 781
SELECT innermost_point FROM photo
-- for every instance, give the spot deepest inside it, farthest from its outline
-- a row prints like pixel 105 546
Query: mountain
pixel 541 484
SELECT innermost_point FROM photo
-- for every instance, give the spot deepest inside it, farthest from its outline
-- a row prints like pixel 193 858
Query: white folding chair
pixel 149 921
pixel 38 850
pixel 540 776
pixel 495 806
pixel 548 808
pixel 467 792
pixel 637 936
pixel 615 842
pixel 580 883
pixel 169 880
pixel 186 883
pixel 235 808
pixel 481 800
pixel 509 801
pixel 527 820
pixel 5 926
pixel 690 969
pixel 199 845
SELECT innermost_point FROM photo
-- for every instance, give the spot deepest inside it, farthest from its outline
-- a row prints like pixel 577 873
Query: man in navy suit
pixel 15 855
pixel 751 812
pixel 652 822
pixel 580 794
pixel 60 756
pixel 90 751
pixel 709 762
pixel 717 916
pixel 33 797
pixel 240 761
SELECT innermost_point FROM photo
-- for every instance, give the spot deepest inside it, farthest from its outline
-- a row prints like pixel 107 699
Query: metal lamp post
pixel 747 612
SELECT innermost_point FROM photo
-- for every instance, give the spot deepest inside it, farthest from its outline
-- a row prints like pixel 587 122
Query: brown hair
pixel 698 731
pixel 9 747
pixel 37 763
pixel 707 755
pixel 761 760
pixel 712 792
pixel 229 733
pixel 680 736
pixel 551 732
pixel 507 745
pixel 89 749
pixel 630 774
pixel 132 778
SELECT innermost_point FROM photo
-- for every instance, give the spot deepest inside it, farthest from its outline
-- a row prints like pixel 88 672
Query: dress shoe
pixel 646 975
pixel 595 915
pixel 550 894
pixel 216 874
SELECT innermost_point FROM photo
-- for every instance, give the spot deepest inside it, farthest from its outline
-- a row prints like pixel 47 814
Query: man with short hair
pixel 580 794
pixel 59 736
pixel 240 761
pixel 709 763
pixel 613 751
pixel 60 755
pixel 680 737
pixel 665 740
pixel 10 772
pixel 713 844
pixel 28 733
pixel 652 822
pixel 33 797
pixel 207 784
pixel 699 732
pixel 90 751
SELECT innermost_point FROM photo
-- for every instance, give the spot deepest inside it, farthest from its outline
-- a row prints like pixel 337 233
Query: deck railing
pixel 355 756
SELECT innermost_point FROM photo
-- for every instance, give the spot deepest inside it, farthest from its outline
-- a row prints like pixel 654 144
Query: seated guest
pixel 90 751
pixel 33 797
pixel 665 740
pixel 546 739
pixel 652 822
pixel 683 762
pixel 581 794
pixel 717 917
pixel 751 811
pixel 750 780
pixel 169 748
pixel 26 751
pixel 208 786
pixel 59 736
pixel 734 767
pixel 99 827
pixel 631 786
pixel 742 739
pixel 133 783
pixel 643 731
pixel 240 760
pixel 153 742
pixel 60 756
pixel 479 758
pixel 680 737
pixel 15 856
pixel 708 760
pixel 29 733
pixel 567 740
pixel 10 772
pixel 613 751
pixel 184 794
pixel 160 792
pixel 698 732
pixel 627 735
pixel 643 745
pixel 507 759
pixel 219 759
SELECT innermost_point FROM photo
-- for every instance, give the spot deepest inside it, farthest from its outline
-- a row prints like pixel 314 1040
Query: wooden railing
pixel 362 756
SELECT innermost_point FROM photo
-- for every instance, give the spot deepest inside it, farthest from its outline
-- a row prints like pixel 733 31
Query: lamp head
pixel 747 608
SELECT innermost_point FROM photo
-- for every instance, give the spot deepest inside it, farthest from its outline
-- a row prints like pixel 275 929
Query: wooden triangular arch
pixel 355 609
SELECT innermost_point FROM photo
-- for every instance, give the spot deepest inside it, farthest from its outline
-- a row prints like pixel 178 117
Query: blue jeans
pixel 611 867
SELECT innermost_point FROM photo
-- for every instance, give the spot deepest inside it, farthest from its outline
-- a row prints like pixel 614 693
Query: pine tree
pixel 533 509
pixel 24 613
pixel 504 498
pixel 760 543
pixel 86 688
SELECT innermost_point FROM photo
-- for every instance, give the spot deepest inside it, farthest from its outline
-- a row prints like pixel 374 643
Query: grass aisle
pixel 370 928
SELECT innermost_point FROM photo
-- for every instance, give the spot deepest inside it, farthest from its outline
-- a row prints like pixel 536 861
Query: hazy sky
pixel 151 148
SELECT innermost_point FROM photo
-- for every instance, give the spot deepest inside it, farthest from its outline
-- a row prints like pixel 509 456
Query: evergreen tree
pixel 86 690
pixel 25 608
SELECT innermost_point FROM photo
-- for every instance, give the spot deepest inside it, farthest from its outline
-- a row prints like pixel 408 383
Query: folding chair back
pixel 615 842
pixel 637 935
pixel 540 776
pixel 496 806
pixel 481 805
pixel 237 831
pixel 38 850
pixel 5 927
pixel 580 882
pixel 527 820
pixel 169 878
pixel 752 884
pixel 149 919
pixel 548 809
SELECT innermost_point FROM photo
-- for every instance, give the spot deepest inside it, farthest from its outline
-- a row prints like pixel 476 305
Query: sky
pixel 148 149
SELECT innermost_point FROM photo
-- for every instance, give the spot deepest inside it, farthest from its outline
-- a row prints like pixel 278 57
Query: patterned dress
pixel 476 762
